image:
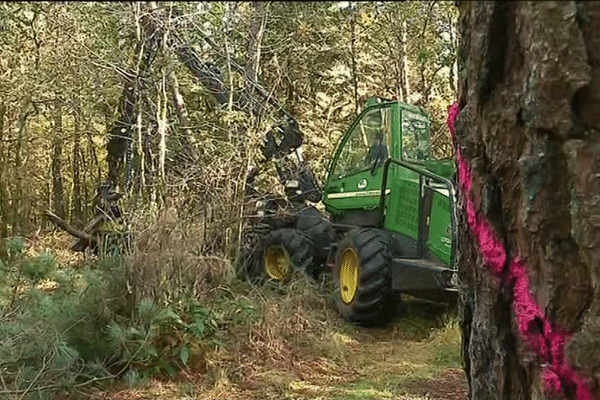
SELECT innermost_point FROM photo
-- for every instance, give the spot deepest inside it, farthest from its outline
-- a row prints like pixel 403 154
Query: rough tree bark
pixel 529 126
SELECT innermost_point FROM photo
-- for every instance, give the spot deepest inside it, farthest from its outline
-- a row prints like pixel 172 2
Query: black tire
pixel 311 222
pixel 297 248
pixel 373 300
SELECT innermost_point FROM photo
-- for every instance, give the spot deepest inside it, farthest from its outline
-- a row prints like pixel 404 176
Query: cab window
pixel 367 144
pixel 415 137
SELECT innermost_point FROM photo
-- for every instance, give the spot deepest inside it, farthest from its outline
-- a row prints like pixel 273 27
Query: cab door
pixel 354 180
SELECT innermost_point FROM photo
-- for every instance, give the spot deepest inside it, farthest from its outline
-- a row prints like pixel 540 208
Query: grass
pixel 287 342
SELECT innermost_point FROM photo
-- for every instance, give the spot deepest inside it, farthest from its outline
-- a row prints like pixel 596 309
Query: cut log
pixel 61 223
pixel 91 227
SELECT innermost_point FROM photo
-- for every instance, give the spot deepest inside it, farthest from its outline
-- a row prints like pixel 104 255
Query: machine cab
pixel 387 148
pixel 382 130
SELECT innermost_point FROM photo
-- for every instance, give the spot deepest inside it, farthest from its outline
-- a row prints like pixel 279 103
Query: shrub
pixel 85 327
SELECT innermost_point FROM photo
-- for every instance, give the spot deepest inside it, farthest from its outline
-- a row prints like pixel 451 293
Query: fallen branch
pixel 92 226
pixel 64 225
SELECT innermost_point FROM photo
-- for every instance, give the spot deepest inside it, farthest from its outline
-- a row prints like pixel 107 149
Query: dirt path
pixel 417 357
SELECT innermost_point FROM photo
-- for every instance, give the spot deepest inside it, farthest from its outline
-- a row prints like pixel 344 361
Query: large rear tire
pixel 362 278
pixel 281 252
pixel 314 224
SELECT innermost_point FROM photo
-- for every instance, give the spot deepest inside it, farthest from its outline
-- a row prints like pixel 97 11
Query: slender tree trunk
pixel 229 11
pixel 19 226
pixel 57 145
pixel 398 67
pixel 253 52
pixel 140 146
pixel 405 61
pixel 353 56
pixel 529 128
pixel 3 183
pixel 92 151
pixel 161 120
pixel 185 134
pixel 149 166
pixel 77 208
pixel 452 73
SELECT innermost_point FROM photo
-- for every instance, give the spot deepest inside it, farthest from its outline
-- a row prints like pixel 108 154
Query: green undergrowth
pixel 77 330
pixel 66 329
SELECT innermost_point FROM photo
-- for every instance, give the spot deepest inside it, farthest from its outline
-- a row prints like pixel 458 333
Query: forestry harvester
pixel 389 225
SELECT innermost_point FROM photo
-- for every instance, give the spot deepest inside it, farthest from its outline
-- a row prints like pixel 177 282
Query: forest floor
pixel 287 341
pixel 314 355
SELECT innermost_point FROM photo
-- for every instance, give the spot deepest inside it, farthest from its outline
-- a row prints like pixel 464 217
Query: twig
pixel 2 379
pixel 24 393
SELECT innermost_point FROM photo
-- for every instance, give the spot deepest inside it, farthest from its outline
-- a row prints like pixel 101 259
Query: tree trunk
pixel 77 206
pixel 353 61
pixel 162 125
pixel 119 136
pixel 529 130
pixel 452 72
pixel 406 85
pixel 19 225
pixel 92 150
pixel 148 159
pixel 253 52
pixel 57 143
pixel 185 137
pixel 141 171
pixel 3 183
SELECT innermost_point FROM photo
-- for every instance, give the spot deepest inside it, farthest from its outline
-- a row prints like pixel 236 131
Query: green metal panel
pixel 444 168
pixel 358 191
pixel 402 207
pixel 440 228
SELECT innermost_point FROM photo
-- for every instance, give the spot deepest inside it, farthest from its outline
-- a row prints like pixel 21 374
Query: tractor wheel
pixel 362 279
pixel 282 250
pixel 311 222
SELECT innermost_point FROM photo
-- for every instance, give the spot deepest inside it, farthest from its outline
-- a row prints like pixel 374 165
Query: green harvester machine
pixel 390 221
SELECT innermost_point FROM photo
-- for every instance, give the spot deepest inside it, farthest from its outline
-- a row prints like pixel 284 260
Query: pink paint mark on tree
pixel 536 330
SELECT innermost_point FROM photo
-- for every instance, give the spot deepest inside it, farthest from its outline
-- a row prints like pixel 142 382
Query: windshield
pixel 366 146
pixel 415 136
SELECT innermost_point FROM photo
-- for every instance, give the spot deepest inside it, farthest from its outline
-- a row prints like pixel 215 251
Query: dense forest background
pixel 65 65
pixel 172 102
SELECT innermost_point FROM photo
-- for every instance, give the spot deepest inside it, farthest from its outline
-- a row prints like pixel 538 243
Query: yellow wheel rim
pixel 276 263
pixel 348 275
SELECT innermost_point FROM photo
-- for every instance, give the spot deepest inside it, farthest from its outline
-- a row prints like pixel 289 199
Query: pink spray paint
pixel 536 330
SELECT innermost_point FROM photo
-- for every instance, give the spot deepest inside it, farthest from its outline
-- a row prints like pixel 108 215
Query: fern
pixel 26 376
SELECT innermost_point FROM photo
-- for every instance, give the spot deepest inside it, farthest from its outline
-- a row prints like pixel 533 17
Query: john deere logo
pixel 362 184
